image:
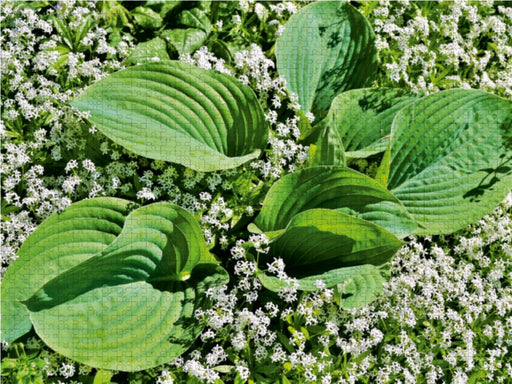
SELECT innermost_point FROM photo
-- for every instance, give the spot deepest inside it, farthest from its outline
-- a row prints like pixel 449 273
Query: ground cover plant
pixel 262 192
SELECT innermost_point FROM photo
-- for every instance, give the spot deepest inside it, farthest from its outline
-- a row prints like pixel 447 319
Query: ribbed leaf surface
pixel 321 241
pixel 326 48
pixel 58 244
pixel 360 120
pixel 176 112
pixel 331 187
pixel 451 158
pixel 131 306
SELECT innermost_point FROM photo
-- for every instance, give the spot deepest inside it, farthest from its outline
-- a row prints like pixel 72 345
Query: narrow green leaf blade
pixel 174 111
pixel 451 158
pixel 329 148
pixel 326 48
pixel 337 188
pixel 58 244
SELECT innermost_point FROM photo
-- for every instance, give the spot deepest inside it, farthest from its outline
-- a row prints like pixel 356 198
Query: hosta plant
pixel 115 286
pixel 125 279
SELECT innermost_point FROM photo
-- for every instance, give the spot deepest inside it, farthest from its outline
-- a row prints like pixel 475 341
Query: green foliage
pixel 130 281
pixel 145 282
pixel 451 158
pixel 204 120
pixel 149 51
pixel 336 188
pixel 21 368
pixel 359 122
pixel 339 55
pixel 60 243
pixel 336 239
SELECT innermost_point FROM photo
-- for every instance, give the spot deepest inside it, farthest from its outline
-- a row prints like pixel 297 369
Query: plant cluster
pixel 228 221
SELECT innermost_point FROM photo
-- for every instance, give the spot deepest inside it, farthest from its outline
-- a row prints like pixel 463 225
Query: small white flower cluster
pixel 58 365
pixel 429 54
pixel 197 369
pixel 205 59
pixel 165 378
pixel 216 217
pixel 36 127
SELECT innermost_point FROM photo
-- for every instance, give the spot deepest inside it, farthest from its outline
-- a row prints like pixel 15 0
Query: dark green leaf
pixel 337 188
pixel 185 40
pixel 149 52
pixel 321 241
pixel 195 18
pixel 147 18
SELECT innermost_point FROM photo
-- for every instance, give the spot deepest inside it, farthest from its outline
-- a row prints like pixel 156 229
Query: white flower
pixel 145 194
pixel 243 372
pixel 67 370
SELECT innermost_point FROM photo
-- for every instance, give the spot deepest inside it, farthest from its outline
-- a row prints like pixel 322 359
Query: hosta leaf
pixel 338 188
pixel 58 244
pixel 328 148
pixel 176 112
pixel 326 48
pixel 132 305
pixel 359 121
pixel 321 241
pixel 451 158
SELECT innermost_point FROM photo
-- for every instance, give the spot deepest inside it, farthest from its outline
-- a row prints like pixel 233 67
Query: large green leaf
pixel 326 48
pixel 332 187
pixel 359 121
pixel 450 160
pixel 321 241
pixel 131 307
pixel 176 112
pixel 58 244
